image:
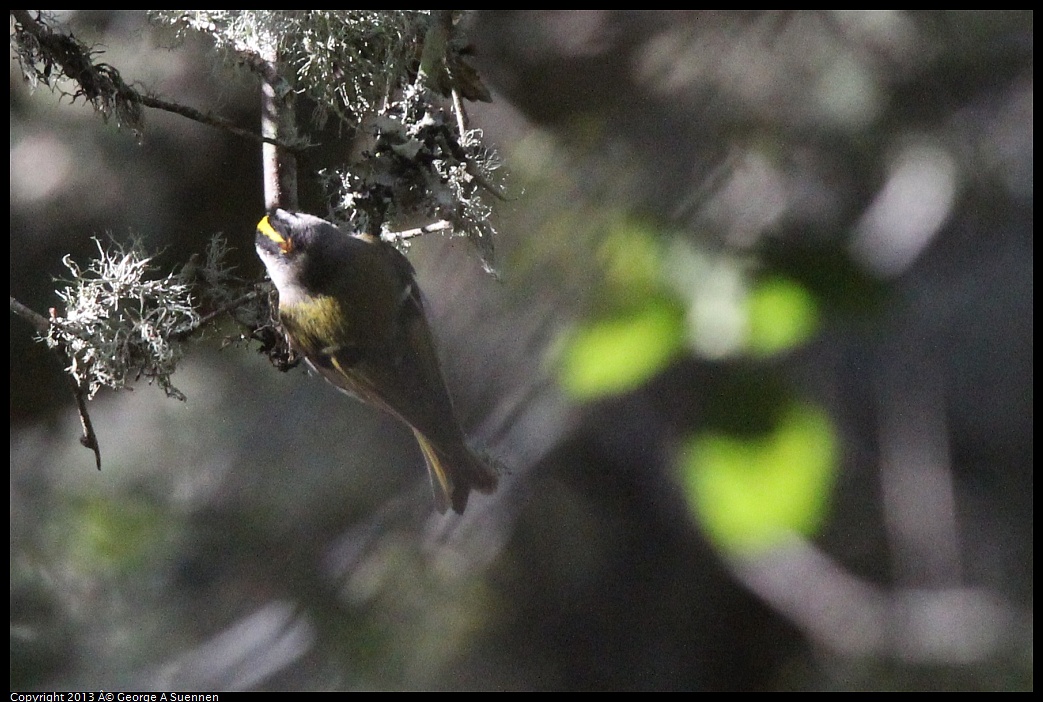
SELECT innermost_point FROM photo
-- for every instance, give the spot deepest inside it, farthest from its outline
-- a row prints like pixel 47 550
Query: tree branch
pixel 278 123
pixel 39 322
pixel 88 438
pixel 42 324
pixel 207 318
pixel 214 121
pixel 102 84
pixel 441 225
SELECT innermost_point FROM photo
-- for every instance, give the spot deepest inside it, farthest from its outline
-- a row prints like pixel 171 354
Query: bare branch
pixel 223 309
pixel 41 50
pixel 42 325
pixel 39 322
pixel 439 226
pixel 214 121
pixel 89 438
pixel 278 122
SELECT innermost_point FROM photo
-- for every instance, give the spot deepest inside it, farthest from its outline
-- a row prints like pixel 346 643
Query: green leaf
pixel 619 353
pixel 749 493
pixel 782 314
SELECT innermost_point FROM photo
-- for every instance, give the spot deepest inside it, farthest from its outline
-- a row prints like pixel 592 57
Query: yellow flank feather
pixel 314 322
pixel 440 484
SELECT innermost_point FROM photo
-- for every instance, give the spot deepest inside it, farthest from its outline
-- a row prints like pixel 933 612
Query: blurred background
pixel 758 369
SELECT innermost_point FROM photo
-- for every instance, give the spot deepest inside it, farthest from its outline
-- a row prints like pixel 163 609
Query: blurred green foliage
pixel 114 534
pixel 782 314
pixel 637 326
pixel 620 353
pixel 750 492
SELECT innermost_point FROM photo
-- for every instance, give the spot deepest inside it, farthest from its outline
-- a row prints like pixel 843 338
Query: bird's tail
pixel 454 474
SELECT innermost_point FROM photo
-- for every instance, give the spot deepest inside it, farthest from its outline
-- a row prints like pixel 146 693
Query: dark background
pixel 269 534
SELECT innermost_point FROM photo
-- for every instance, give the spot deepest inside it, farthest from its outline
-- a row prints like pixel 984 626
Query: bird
pixel 350 304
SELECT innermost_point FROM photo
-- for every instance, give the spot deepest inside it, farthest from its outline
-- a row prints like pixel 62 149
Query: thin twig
pixel 458 110
pixel 441 225
pixel 211 316
pixel 484 183
pixel 76 63
pixel 212 120
pixel 42 324
pixel 89 438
